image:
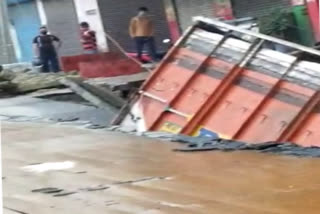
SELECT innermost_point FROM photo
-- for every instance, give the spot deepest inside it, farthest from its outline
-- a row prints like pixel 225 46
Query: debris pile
pixel 26 81
pixel 206 144
pixel 290 149
pixel 202 144
pixel 6 80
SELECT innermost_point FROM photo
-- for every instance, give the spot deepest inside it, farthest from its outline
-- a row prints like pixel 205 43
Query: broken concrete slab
pixel 30 82
pixel 19 67
pixel 100 97
pixel 26 108
pixel 124 82
pixel 51 92
pixel 13 82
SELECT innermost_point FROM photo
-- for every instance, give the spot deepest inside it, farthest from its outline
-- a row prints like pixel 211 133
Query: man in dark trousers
pixel 142 31
pixel 45 49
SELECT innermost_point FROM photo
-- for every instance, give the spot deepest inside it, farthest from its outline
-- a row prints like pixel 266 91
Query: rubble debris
pixel 81 172
pixel 64 194
pixel 44 93
pixel 49 190
pixel 6 78
pixel 201 144
pixel 27 82
pixel 110 203
pixel 123 129
pixel 93 189
pixel 177 138
pixel 68 98
pixel 141 180
pixel 23 82
pixel 95 126
pixel 70 119
pixel 169 204
pixel 19 67
pixel 287 148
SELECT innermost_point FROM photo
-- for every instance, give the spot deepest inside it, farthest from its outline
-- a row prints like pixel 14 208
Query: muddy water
pixel 246 182
pixel 242 183
pixel 145 176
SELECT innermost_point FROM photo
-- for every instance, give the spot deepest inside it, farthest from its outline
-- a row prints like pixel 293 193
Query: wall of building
pixel 62 21
pixel 116 17
pixel 88 11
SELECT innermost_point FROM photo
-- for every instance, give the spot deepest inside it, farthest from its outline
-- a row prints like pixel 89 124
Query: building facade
pixel 171 17
pixel 62 17
pixel 304 14
pixel 224 9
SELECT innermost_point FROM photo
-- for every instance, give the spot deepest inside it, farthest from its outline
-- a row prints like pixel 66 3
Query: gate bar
pixel 202 20
pixel 195 73
pixel 224 85
pixel 264 100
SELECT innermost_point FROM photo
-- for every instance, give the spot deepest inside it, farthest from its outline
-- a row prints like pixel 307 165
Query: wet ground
pixel 59 169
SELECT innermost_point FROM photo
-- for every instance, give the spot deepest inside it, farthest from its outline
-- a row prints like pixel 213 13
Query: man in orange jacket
pixel 142 31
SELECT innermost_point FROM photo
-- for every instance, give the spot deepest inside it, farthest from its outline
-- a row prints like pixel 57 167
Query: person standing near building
pixel 45 50
pixel 88 39
pixel 141 29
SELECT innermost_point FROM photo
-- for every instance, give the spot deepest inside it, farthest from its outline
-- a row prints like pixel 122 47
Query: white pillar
pixel 88 11
pixel 42 13
pixel 7 54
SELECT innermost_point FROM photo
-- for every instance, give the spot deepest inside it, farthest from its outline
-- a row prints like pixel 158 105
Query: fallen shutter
pixel 190 8
pixel 256 8
pixel 116 17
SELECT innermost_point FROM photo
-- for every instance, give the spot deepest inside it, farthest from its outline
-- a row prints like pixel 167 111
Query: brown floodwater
pixel 144 176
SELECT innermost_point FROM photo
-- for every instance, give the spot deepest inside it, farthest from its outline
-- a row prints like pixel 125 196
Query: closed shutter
pixel 256 8
pixel 63 22
pixel 187 9
pixel 116 16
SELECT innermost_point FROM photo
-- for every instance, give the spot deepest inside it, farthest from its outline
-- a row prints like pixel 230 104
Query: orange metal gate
pixel 213 84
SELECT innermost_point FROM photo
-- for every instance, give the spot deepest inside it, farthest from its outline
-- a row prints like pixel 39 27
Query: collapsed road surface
pixel 32 108
pixel 60 169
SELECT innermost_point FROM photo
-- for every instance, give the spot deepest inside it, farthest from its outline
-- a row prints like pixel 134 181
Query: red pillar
pixel 172 20
pixel 313 11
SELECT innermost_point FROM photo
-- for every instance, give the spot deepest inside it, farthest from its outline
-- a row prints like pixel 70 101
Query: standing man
pixel 142 30
pixel 88 39
pixel 45 49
